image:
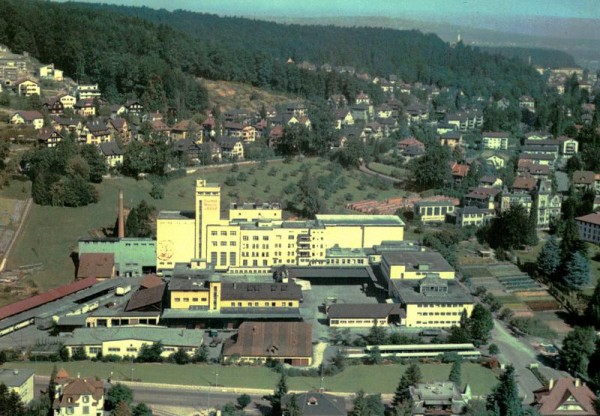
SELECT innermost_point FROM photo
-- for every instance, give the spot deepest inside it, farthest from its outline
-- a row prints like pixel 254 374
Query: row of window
pixel 438 313
pixel 188 299
pixel 259 304
pixel 358 321
pixel 440 305
pixel 437 322
pixel 223 233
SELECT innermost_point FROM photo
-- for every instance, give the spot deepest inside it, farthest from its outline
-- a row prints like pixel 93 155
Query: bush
pixel 231 180
pixel 157 191
pixel 110 358
pixel 533 327
pixel 493 349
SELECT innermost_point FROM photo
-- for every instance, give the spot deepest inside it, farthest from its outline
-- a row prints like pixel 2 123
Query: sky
pixel 441 10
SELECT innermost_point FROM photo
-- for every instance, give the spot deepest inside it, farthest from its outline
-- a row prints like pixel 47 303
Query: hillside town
pixel 396 247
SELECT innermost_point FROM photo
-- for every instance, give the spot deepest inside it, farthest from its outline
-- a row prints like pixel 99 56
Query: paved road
pixel 517 352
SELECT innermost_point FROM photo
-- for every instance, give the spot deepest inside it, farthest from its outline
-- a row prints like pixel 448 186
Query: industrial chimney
pixel 121 214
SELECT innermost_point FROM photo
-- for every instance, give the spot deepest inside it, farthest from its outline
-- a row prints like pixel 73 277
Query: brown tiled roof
pixel 500 134
pixel 78 387
pixel 548 401
pixel 146 297
pixel 583 177
pixel 272 339
pixel 593 218
pixel 524 182
pixel 41 299
pixel 30 115
pixel 98 265
pixel 150 280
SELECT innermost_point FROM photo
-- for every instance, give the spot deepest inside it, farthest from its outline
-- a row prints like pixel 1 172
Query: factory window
pixel 213 233
pixel 245 238
pixel 213 257
pixel 224 233
pixel 233 233
pixel 233 258
pixel 186 299
pixel 194 299
pixel 177 299
pixel 223 259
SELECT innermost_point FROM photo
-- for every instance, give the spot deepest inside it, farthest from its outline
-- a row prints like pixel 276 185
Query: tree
pixel 63 353
pixel 141 409
pixel 377 335
pixel 95 161
pixel 593 308
pixel 532 237
pixel 122 409
pixel 577 271
pixel 275 399
pixel 507 230
pixel 431 170
pixel 309 197
pixel 480 324
pixel 577 347
pixel 364 405
pixel 79 354
pixel 118 393
pixel 412 375
pixel 292 408
pixel 180 356
pixel 504 399
pixel 374 356
pixel 243 401
pixel 151 353
pixel 3 357
pixel 548 261
pixel 132 224
pixel 201 354
pixel 10 402
pixel 455 373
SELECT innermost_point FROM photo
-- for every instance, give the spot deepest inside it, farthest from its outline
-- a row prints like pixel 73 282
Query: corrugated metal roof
pixel 51 295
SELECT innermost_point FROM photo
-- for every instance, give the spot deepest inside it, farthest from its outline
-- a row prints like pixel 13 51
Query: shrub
pixel 533 327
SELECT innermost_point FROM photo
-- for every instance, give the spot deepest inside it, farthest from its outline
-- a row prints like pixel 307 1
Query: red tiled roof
pixel 150 281
pixel 524 182
pixel 548 401
pixel 43 298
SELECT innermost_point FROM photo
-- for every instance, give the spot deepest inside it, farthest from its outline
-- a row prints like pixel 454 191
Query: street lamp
pixel 132 374
pixel 216 379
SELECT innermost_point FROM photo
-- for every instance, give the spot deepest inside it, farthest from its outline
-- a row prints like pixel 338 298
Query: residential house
pixel 343 117
pixel 527 103
pixel 53 106
pixel 497 161
pixel 29 118
pixel 67 126
pixel 297 109
pixel 113 154
pixel 237 115
pixel 49 137
pixel 565 397
pixel 537 171
pixel 459 171
pixel 242 131
pixel 363 98
pixel 524 184
pixel 257 342
pixel 484 198
pixel 507 199
pixel 547 204
pixel 439 398
pixel 128 340
pixel 360 112
pixel 538 159
pixel 275 136
pixel 119 127
pixel 85 107
pixel 186 129
pixel 215 151
pixel 584 179
pixel 568 146
pixel 537 135
pixel 19 381
pixel 489 181
pixel 410 142
pixel 78 396
pixel 134 107
pixel 416 114
pixel 472 216
pixel 189 148
pixel 98 132
pixel 541 147
pixel 442 128
pixel 494 140
pixel 231 147
pixel 209 126
pixel 373 131
pixel 68 101
pixel 589 227
pixel 117 110
pixel 316 404
pixel 49 72
pixel 338 101
pixel 88 91
pixel 433 211
pixel 384 111
pixel 451 139
pixel 27 87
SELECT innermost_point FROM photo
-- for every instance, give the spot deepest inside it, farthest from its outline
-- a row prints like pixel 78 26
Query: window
pixel 223 259
pixel 85 399
pixel 255 238
pixel 186 299
pixel 224 233
pixel 213 257
pixel 233 258
pixel 194 299
pixel 245 238
pixel 177 299
pixel 213 233
pixel 114 349
pixel 233 233
pixel 86 409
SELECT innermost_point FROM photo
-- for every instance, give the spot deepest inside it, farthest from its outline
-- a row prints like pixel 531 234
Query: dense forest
pixel 142 52
pixel 548 58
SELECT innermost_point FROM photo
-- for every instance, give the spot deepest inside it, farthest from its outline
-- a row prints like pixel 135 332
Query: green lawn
pixel 51 233
pixel 372 379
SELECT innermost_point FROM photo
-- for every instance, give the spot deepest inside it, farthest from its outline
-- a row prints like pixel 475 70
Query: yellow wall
pixel 398 271
pixel 264 303
pixel 254 214
pixel 175 242
pixel 375 235
pixel 357 323
pixel 185 299
pixel 448 315
pixel 25 391
pixel 92 321
pixel 208 212
pixel 124 348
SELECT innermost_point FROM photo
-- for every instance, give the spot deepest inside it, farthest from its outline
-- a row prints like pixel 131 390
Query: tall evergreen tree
pixel 532 237
pixel 455 375
pixel 292 408
pixel 548 261
pixel 577 271
pixel 504 399
pixel 577 347
pixel 275 399
pixel 593 308
pixel 480 324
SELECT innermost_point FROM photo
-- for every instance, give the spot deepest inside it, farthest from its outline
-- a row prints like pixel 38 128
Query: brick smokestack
pixel 121 219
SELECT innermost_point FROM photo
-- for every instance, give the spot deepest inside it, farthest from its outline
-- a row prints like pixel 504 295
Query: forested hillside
pixel 550 58
pixel 141 52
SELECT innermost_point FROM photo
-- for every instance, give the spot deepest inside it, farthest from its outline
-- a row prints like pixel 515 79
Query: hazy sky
pixel 450 10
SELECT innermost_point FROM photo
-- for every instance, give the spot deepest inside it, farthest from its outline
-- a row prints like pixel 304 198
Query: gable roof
pixel 29 115
pixel 97 265
pixel 318 404
pixel 111 149
pixel 272 339
pixel 583 177
pixel 146 297
pixel 549 400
